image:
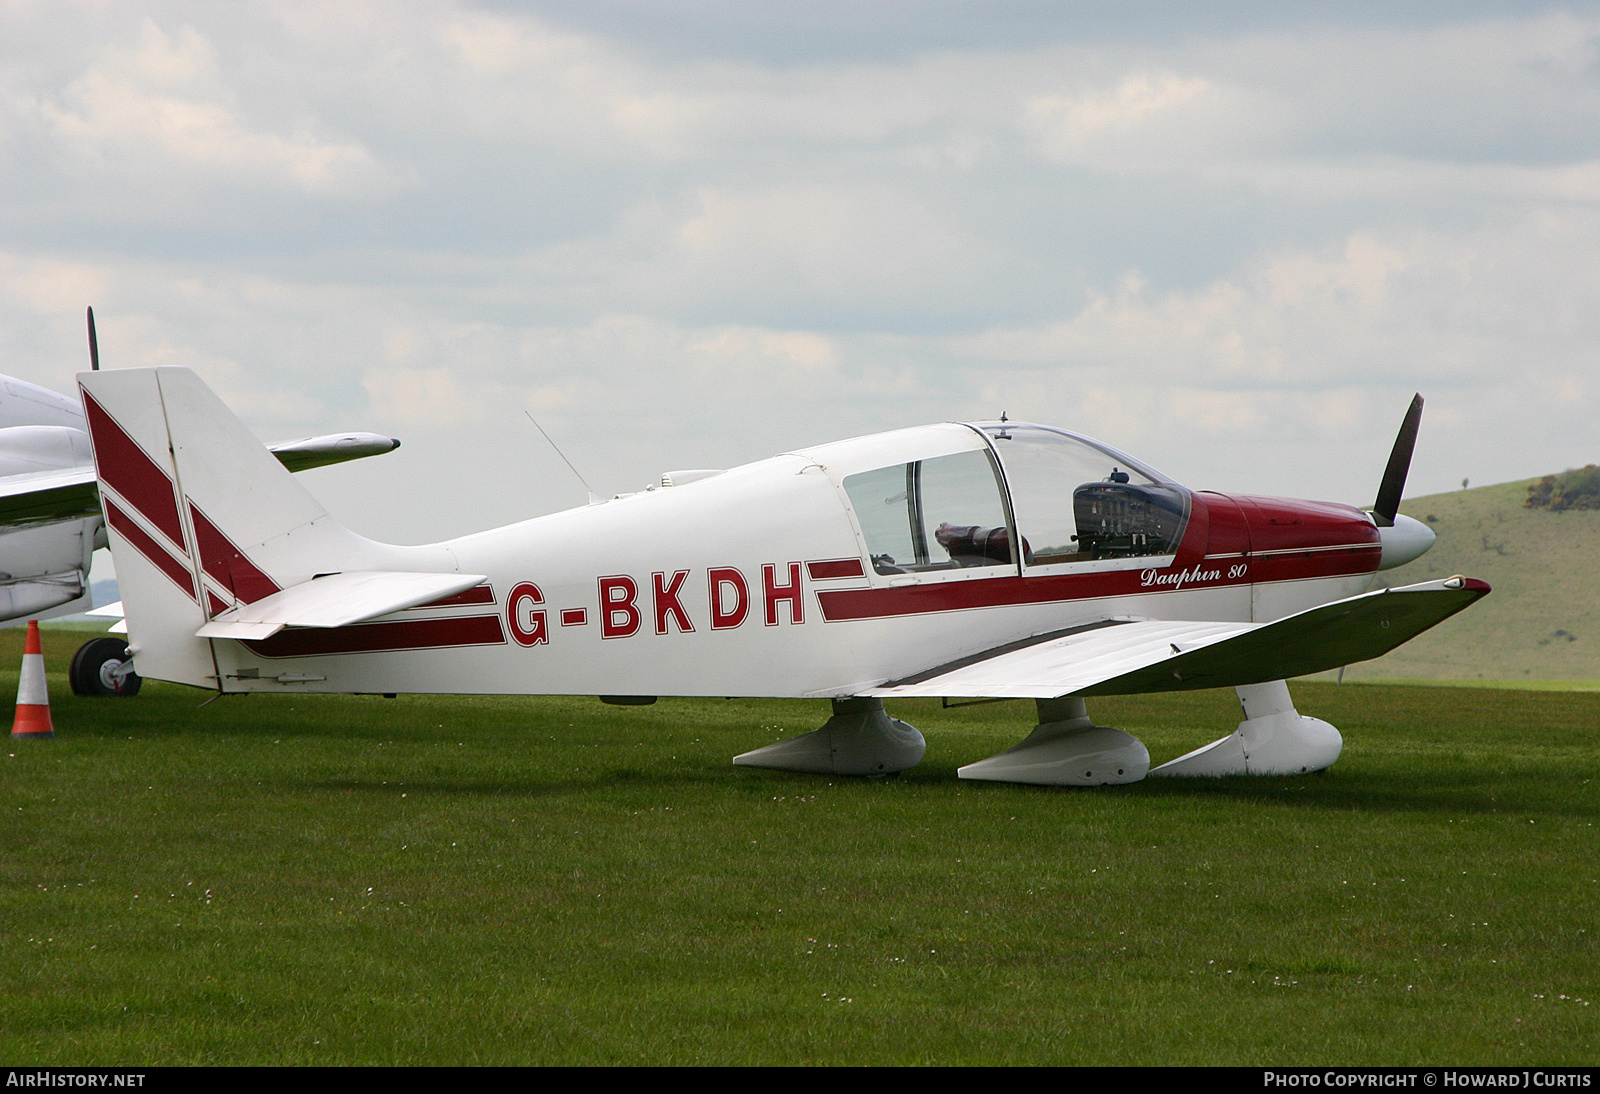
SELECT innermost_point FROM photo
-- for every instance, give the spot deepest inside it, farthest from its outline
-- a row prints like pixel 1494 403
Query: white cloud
pixel 1076 127
pixel 1306 349
pixel 165 97
pixel 419 397
pixel 809 351
pixel 1235 252
pixel 49 286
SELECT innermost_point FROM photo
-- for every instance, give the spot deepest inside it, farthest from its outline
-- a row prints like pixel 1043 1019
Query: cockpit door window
pixel 943 513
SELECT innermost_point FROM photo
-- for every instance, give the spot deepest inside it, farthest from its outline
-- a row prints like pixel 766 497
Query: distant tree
pixel 1578 489
pixel 1539 493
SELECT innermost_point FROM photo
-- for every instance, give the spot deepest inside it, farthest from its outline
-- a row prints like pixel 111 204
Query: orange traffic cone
pixel 33 695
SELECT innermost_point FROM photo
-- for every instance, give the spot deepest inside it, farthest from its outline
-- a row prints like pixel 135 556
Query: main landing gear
pixel 103 666
pixel 860 739
pixel 1066 748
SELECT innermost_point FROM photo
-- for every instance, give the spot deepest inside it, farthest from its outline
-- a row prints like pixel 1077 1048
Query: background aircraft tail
pixel 201 517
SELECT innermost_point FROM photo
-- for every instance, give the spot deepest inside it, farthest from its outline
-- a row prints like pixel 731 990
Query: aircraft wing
pixel 44 497
pixel 321 451
pixel 1126 657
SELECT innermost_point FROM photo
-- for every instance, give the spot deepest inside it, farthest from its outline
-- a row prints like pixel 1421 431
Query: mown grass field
pixel 439 880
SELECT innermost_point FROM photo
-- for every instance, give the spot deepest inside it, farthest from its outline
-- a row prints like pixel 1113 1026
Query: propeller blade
pixel 94 345
pixel 1394 476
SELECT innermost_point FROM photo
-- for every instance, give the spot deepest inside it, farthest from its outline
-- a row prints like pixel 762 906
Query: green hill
pixel 1542 622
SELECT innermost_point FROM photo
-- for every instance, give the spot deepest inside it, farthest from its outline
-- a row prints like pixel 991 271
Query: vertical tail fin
pixel 201 517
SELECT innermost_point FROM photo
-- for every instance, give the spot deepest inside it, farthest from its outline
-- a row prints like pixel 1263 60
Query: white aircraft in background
pixel 987 559
pixel 50 518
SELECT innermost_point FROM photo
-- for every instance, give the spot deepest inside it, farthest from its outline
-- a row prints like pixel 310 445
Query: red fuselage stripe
pixel 411 634
pixel 835 567
pixel 478 594
pixel 844 604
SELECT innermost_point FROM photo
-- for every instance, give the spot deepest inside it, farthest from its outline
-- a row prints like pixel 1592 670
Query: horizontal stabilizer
pixel 336 600
pixel 1132 657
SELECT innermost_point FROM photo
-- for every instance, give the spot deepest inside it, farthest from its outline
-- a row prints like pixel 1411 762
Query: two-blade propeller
pixel 94 345
pixel 1402 537
pixel 1394 476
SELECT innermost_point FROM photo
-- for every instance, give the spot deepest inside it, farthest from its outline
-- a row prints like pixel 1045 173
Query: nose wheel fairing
pixel 1274 739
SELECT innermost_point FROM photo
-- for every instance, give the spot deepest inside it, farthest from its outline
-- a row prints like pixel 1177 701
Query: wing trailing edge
pixel 1138 656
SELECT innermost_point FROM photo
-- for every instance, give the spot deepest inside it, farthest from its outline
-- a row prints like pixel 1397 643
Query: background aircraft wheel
pixel 103 666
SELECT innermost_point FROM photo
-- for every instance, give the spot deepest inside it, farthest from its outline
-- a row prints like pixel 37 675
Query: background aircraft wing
pixel 332 448
pixel 1127 657
pixel 44 497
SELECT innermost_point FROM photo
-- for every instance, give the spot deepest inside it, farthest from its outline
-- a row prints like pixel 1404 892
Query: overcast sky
pixel 1230 239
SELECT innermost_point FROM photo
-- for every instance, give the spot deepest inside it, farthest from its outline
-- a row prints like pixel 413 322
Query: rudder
pixel 201 516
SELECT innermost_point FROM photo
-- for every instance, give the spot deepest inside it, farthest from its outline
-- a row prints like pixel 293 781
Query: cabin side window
pixel 943 513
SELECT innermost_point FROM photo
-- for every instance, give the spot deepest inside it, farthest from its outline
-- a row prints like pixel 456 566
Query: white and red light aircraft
pixel 989 559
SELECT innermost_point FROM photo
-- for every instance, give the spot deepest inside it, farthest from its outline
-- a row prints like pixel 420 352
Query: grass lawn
pixel 274 879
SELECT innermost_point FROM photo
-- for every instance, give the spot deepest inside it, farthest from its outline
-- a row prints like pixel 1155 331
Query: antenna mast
pixel 594 499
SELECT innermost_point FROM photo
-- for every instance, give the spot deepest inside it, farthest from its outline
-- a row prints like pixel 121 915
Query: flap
pixel 336 600
pixel 1133 657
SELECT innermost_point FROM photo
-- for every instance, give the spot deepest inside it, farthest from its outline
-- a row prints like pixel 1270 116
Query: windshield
pixel 1074 501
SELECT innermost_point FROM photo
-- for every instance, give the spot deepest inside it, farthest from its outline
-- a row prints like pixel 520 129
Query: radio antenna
pixel 594 499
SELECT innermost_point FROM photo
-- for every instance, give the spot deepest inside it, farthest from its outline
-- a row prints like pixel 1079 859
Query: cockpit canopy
pixel 1064 498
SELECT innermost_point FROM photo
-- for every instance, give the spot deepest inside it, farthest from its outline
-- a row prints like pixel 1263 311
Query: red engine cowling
pixel 1288 539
